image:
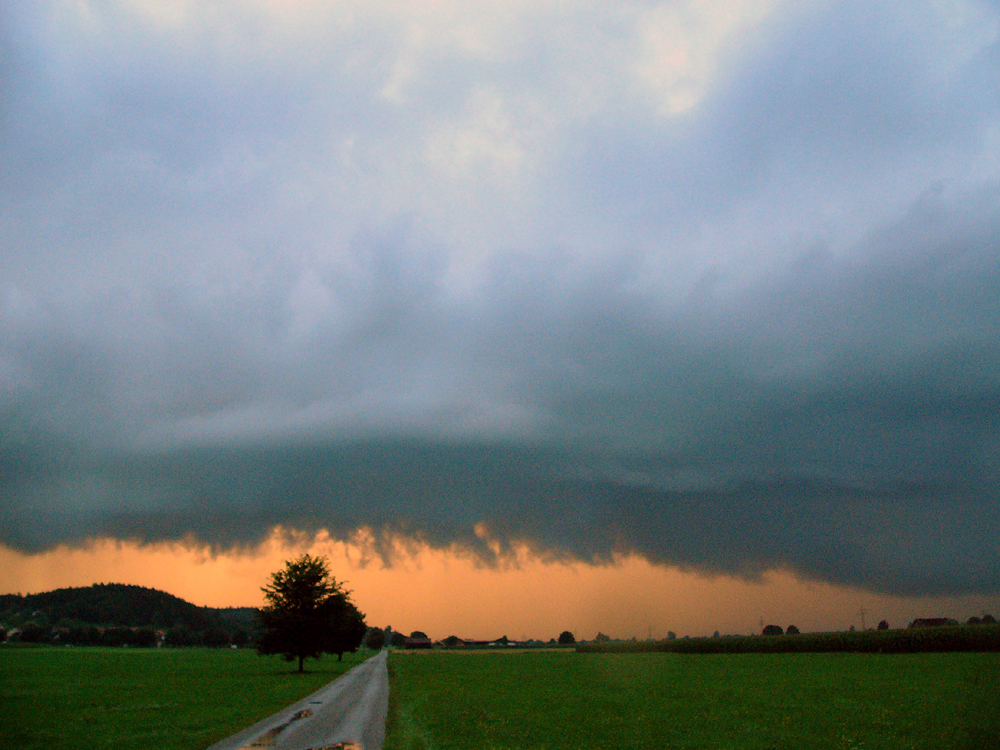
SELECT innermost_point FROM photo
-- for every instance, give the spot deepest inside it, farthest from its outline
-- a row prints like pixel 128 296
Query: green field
pixel 664 700
pixel 130 698
pixel 190 698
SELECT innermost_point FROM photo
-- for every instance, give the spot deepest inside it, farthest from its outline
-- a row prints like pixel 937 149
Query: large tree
pixel 308 613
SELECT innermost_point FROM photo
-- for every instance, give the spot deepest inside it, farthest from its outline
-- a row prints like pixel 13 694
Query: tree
pixel 602 638
pixel 883 625
pixel 375 638
pixel 308 613
pixel 773 630
pixel 566 638
pixel 791 630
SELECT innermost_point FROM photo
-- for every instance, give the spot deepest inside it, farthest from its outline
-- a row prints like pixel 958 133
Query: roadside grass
pixel 134 698
pixel 939 701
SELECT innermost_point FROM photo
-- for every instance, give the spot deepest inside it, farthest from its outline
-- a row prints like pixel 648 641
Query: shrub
pixel 34 633
pixel 215 638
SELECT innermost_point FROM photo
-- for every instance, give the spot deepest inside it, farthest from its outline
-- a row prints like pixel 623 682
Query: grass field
pixel 664 700
pixel 167 699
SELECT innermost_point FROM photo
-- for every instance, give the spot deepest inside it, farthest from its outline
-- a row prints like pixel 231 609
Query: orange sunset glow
pixel 445 592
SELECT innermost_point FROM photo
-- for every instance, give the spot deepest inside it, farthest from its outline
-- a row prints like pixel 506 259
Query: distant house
pixel 418 643
pixel 932 622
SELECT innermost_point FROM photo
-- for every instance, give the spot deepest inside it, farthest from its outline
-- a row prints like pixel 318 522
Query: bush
pixel 181 635
pixel 215 638
pixel 34 633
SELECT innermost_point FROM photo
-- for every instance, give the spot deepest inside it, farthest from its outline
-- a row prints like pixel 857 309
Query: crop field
pixel 132 699
pixel 937 701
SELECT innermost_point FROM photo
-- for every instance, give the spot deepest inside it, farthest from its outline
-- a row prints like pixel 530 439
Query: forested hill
pixel 119 605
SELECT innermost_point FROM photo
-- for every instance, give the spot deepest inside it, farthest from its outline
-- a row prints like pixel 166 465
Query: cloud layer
pixel 715 283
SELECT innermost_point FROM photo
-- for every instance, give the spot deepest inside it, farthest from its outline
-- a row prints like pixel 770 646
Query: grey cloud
pixel 211 326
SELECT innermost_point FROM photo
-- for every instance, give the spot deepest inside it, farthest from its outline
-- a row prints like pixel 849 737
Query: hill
pixel 120 605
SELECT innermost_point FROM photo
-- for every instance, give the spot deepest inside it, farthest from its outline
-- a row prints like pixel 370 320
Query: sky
pixel 664 314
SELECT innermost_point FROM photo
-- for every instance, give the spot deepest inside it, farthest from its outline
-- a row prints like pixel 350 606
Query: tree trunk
pixel 301 659
pixel 340 656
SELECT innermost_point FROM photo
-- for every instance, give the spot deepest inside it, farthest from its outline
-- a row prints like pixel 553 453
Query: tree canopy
pixel 308 613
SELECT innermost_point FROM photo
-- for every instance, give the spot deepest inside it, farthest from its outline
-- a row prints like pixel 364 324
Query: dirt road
pixel 351 709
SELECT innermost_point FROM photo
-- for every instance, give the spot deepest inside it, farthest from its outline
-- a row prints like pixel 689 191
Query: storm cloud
pixel 718 284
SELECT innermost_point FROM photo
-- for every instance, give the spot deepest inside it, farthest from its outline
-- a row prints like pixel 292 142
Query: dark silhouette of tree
pixel 791 630
pixel 32 632
pixel 566 638
pixel 601 638
pixel 773 630
pixel 452 641
pixel 308 613
pixel 671 635
pixel 181 635
pixel 418 634
pixel 375 638
pixel 883 625
pixel 989 619
pixel 214 638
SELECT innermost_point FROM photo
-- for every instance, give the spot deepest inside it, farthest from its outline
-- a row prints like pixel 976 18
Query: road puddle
pixel 267 739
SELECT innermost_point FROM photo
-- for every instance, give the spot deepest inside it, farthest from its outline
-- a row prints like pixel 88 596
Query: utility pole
pixel 863 619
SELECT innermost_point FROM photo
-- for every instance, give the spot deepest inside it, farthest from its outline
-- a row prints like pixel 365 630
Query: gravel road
pixel 348 713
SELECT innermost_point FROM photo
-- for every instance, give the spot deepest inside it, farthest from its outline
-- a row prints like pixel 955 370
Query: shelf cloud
pixel 714 283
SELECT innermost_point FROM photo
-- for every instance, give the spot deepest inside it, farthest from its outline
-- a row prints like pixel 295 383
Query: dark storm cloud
pixel 259 276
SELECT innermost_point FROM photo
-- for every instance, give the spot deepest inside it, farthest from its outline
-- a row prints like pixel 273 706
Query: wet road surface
pixel 348 713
